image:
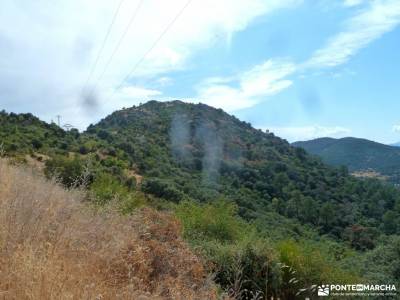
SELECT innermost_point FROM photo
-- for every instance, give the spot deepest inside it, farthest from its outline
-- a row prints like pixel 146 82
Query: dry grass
pixel 54 247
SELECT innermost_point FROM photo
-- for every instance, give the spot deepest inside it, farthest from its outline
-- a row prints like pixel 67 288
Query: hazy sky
pixel 302 69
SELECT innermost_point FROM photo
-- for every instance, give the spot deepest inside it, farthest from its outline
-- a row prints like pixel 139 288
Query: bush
pixel 245 268
pixel 131 202
pixel 37 144
pixel 69 171
pixel 382 265
pixel 306 265
pixel 243 262
pixel 83 150
pixel 162 189
pixel 105 187
pixel 246 264
pixel 212 221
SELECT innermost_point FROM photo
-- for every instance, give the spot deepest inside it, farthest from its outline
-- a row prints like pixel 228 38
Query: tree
pixel 37 144
pixel 162 189
pixel 278 205
pixel 293 205
pixel 360 237
pixel 309 210
pixel 390 222
pixel 69 171
pixel 327 214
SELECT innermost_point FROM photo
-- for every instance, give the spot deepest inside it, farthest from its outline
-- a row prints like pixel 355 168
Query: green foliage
pixel 162 189
pixel 24 133
pixel 391 222
pixel 360 237
pixel 132 201
pixel 238 257
pixel 212 221
pixel 105 188
pixel 188 151
pixel 382 265
pixel 108 189
pixel 246 263
pixel 306 264
pixel 68 171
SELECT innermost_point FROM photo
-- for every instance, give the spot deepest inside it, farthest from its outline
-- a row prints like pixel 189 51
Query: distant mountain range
pixel 359 155
pixel 395 144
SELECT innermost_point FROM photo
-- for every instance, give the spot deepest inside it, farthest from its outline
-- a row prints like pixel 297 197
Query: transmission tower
pixel 58 120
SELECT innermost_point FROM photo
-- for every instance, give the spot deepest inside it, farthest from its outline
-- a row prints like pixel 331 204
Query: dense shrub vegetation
pixel 249 264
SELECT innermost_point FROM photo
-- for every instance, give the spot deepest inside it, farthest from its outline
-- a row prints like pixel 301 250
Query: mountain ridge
pixel 357 154
pixel 395 144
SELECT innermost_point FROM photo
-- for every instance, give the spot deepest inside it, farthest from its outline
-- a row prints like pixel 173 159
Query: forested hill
pixel 198 152
pixel 25 133
pixel 192 151
pixel 357 154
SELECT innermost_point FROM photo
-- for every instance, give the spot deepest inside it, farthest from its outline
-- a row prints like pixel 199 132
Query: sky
pixel 300 68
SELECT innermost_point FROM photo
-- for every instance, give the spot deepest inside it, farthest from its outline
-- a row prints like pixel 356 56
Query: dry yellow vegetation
pixel 52 246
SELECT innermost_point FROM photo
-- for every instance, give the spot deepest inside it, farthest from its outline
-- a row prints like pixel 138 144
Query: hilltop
pixel 357 154
pixel 198 152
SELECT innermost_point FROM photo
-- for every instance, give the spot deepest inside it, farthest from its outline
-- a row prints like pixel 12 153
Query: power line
pixel 103 44
pixel 136 11
pixel 153 46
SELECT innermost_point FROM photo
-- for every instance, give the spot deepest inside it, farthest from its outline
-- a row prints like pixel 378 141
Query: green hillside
pixel 24 133
pixel 357 155
pixel 182 151
pixel 243 195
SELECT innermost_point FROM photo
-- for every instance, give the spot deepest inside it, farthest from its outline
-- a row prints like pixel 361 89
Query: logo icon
pixel 323 290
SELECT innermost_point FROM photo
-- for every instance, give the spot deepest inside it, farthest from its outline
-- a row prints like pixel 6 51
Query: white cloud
pixel 368 25
pixel 396 128
pixel 248 89
pixel 48 47
pixel 225 97
pixel 165 81
pixel 305 133
pixel 351 3
pixel 132 92
pixel 46 54
pixel 271 77
pixel 267 78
